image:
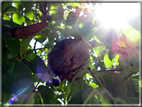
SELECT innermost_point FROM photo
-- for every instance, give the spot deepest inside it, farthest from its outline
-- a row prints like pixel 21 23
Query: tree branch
pixel 35 45
pixel 110 70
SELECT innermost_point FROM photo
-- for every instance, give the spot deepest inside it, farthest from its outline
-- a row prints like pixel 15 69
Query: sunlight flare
pixel 116 14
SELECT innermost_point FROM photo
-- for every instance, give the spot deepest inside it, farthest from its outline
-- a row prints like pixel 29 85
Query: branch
pixel 110 70
pixel 35 45
pixel 37 49
pixel 115 69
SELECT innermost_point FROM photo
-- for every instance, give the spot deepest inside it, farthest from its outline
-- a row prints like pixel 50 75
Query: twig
pixel 110 70
pixel 35 45
pixel 37 49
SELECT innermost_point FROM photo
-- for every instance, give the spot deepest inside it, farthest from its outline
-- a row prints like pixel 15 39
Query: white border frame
pixel 135 1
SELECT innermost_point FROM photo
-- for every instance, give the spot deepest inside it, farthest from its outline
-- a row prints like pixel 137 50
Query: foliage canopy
pixel 111 75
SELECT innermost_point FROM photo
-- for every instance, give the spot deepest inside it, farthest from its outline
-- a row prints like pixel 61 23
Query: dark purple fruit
pixel 56 82
pixel 131 64
pixel 68 57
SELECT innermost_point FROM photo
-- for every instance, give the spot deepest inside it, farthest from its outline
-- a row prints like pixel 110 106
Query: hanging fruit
pixel 68 57
pixel 27 31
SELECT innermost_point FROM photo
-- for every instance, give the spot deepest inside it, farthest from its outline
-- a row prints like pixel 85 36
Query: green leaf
pixel 37 99
pixel 49 46
pixel 30 61
pixel 93 100
pixel 86 31
pixel 72 4
pixel 68 30
pixel 77 81
pixel 23 47
pixel 132 100
pixel 12 72
pixel 93 85
pixel 114 83
pixel 81 96
pixel 28 21
pixel 10 24
pixel 62 37
pixel 108 63
pixel 115 59
pixel 29 13
pixel 77 85
pixel 47 94
pixel 104 99
pixel 52 13
pixel 19 6
pixel 4 55
pixel 95 38
pixel 80 25
pixel 10 10
pixel 6 18
pixel 5 97
pixel 18 18
pixel 127 71
pixel 4 51
pixel 85 95
pixel 134 22
pixel 27 4
pixel 71 19
pixel 140 83
pixel 53 7
pixel 67 92
pixel 51 38
pixel 98 49
pixel 133 88
pixel 7 25
pixel 92 93
pixel 132 34
pixel 44 36
pixel 13 46
pixel 92 66
pixel 5 6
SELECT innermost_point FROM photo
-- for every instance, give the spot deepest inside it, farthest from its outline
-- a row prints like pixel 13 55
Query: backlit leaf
pixel 92 93
pixel 19 6
pixel 77 85
pixel 29 13
pixel 98 49
pixel 133 88
pixel 115 59
pixel 114 83
pixel 18 18
pixel 108 63
pixel 131 34
pixel 140 83
pixel 93 85
pixel 6 18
